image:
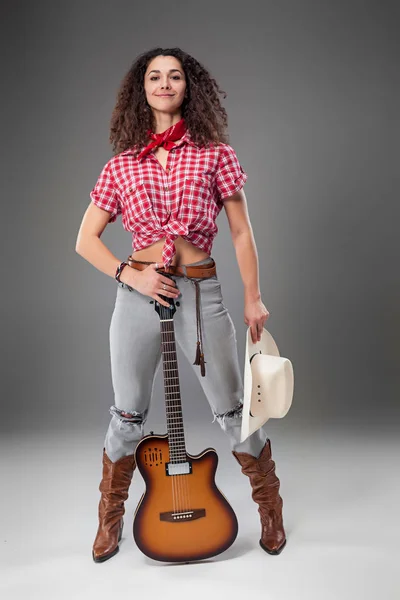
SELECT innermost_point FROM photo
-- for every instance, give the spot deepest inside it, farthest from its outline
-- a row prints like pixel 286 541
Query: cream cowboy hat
pixel 268 383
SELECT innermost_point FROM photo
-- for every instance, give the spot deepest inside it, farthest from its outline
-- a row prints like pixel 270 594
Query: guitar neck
pixel 173 404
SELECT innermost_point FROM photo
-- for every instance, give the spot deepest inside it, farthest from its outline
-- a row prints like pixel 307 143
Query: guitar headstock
pixel 163 311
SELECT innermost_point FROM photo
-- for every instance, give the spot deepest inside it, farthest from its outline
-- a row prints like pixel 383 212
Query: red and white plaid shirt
pixel 183 200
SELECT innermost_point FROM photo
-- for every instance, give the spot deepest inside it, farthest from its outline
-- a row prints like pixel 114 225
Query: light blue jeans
pixel 135 351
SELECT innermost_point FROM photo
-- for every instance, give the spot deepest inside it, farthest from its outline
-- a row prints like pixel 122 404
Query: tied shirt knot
pixel 172 229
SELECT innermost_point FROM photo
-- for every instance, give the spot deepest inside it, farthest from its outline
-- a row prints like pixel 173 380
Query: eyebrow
pixel 170 71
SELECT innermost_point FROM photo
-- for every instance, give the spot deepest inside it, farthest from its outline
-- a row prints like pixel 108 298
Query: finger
pixel 167 281
pixel 161 301
pixel 168 293
pixel 257 327
pixel 167 288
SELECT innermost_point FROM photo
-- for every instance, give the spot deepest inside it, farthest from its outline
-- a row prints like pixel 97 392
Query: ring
pixel 163 286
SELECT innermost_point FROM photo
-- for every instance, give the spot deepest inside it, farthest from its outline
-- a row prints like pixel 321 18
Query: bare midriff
pixel 185 251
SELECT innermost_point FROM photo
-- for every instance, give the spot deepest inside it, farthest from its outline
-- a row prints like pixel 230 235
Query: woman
pixel 171 175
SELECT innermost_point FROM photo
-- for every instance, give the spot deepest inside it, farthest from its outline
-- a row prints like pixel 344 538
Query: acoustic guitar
pixel 182 516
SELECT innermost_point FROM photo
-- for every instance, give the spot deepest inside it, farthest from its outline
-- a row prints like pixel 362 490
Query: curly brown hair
pixel 205 118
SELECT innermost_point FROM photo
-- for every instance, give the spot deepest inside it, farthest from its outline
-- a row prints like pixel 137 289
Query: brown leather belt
pixel 191 272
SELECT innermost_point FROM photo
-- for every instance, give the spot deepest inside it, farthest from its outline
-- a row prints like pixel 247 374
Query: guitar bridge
pixel 182 517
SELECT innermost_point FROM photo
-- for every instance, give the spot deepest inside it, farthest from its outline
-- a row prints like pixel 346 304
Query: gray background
pixel 313 112
pixel 313 96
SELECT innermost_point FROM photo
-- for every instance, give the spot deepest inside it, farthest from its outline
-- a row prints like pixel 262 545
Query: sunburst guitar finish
pixel 182 516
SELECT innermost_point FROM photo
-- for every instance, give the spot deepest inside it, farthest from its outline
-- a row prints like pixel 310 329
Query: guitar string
pixel 180 491
pixel 180 482
pixel 173 487
pixel 181 494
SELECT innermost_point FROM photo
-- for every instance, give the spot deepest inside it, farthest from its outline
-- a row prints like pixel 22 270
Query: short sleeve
pixel 105 194
pixel 230 177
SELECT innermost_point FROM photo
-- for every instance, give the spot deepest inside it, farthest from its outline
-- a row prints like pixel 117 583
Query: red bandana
pixel 165 139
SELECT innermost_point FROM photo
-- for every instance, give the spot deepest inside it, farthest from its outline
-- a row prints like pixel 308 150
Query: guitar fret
pixel 172 392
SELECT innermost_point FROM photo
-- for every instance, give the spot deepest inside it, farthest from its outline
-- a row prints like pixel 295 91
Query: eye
pixel 156 77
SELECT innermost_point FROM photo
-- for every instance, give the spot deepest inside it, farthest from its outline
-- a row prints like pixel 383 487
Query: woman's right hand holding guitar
pixel 150 283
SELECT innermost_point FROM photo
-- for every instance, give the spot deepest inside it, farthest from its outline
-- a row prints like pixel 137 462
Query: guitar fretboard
pixel 176 436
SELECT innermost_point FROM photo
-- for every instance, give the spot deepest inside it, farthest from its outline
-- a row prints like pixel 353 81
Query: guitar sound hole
pixel 153 457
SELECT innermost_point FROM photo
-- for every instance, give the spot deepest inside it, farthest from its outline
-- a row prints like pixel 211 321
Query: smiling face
pixel 165 85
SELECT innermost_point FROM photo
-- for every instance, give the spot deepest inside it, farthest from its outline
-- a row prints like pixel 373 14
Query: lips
pixel 165 95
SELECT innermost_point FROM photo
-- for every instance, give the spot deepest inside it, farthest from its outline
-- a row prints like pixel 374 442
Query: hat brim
pixel 267 372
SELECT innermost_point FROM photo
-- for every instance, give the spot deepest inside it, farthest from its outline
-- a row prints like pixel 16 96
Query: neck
pixel 165 120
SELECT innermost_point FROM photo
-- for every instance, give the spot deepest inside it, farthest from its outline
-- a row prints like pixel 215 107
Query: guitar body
pixel 182 515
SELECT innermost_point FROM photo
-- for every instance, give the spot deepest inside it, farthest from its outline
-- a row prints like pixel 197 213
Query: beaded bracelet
pixel 119 270
pixel 118 274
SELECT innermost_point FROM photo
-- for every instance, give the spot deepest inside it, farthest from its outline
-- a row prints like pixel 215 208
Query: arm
pixel 90 246
pixel 255 313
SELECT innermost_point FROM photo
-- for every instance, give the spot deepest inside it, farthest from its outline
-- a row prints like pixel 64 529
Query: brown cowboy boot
pixel 114 491
pixel 265 484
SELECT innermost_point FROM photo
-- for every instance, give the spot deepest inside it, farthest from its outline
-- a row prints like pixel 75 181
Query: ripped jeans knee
pixel 230 418
pixel 231 423
pixel 124 432
pixel 128 417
